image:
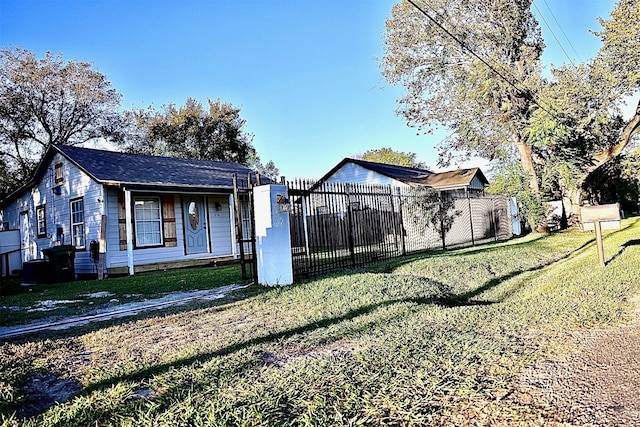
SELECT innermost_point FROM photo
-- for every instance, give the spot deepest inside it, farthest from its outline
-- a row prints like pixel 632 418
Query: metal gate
pixel 245 225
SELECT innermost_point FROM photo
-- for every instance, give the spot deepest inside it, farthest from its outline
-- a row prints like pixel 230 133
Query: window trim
pixel 41 209
pixel 135 222
pixel 58 177
pixel 73 224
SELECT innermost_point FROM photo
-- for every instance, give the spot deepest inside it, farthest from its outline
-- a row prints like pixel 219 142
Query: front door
pixel 195 224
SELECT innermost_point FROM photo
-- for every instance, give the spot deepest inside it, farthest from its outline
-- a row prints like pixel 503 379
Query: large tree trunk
pixel 526 159
pixel 629 131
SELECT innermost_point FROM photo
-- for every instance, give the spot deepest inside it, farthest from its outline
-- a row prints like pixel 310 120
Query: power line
pixel 563 33
pixel 552 33
pixel 525 94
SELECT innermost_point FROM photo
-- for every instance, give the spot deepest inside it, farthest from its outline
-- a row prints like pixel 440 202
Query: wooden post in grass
pixel 607 215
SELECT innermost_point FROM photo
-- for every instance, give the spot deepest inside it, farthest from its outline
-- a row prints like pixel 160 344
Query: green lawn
pixel 17 303
pixel 429 339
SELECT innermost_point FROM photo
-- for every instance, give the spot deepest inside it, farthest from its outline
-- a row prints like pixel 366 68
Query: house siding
pixel 356 174
pixel 219 234
pixel 76 184
pixel 118 258
pixel 476 184
pixel 219 226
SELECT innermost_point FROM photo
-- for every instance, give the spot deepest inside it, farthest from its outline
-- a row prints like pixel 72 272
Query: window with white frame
pixel 77 223
pixel 148 221
pixel 41 221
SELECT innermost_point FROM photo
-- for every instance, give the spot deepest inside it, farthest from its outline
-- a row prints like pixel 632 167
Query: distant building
pixel 457 183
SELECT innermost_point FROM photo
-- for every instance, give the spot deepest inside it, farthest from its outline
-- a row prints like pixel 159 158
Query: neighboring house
pixel 458 183
pixel 159 211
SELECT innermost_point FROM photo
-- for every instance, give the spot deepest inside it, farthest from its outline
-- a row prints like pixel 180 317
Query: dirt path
pixel 597 385
pixel 119 310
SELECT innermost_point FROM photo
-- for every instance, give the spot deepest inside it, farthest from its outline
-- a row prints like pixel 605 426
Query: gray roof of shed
pixel 415 176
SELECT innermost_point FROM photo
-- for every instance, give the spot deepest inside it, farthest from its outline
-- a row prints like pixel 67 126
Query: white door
pixel 195 224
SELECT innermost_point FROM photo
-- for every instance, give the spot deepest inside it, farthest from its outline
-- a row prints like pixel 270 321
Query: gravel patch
pixel 597 385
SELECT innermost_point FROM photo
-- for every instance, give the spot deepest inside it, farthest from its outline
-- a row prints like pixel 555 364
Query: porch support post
pixel 129 225
pixel 232 224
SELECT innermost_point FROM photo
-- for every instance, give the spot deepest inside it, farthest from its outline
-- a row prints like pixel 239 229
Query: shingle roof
pixel 416 176
pixel 401 173
pixel 110 167
pixel 140 171
pixel 456 178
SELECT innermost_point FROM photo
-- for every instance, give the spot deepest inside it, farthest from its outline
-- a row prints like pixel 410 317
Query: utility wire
pixel 525 94
pixel 561 29
pixel 551 30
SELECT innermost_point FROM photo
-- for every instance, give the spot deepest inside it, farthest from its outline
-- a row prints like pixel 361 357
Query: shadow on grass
pixel 623 248
pixel 446 301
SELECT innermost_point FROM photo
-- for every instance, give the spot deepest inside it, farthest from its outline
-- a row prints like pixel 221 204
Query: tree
pixel 48 101
pixel 392 157
pixel 192 132
pixel 616 181
pixel 429 208
pixel 447 85
pixel 269 169
pixel 512 180
pixel 474 67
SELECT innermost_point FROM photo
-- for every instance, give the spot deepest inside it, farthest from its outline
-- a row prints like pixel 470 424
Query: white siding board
pixel 219 226
pixel 219 234
pixel 356 174
pixel 75 184
pixel 99 201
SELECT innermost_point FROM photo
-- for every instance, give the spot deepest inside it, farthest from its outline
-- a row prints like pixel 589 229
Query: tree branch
pixel 629 131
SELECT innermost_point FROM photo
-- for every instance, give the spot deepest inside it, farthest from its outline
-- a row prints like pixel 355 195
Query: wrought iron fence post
pixel 352 251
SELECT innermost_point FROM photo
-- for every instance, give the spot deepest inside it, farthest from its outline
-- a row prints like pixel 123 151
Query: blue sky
pixel 305 73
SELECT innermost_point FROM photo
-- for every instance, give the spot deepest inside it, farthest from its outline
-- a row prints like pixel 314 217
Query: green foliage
pixel 392 157
pixel 192 132
pixel 561 129
pixel 617 181
pixel 49 101
pixel 269 169
pixel 428 207
pixel 511 180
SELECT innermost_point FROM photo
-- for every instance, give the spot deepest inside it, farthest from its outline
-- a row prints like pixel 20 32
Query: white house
pixel 457 183
pixel 149 212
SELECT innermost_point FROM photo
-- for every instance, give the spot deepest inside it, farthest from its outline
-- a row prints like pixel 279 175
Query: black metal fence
pixel 339 225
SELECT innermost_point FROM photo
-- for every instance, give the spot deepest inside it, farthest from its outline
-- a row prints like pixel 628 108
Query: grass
pixel 435 339
pixel 17 301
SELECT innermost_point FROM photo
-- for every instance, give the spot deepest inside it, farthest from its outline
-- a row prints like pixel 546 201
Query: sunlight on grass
pixel 421 340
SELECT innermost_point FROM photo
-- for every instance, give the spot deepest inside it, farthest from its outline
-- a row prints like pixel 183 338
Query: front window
pixel 77 223
pixel 41 219
pixel 148 219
